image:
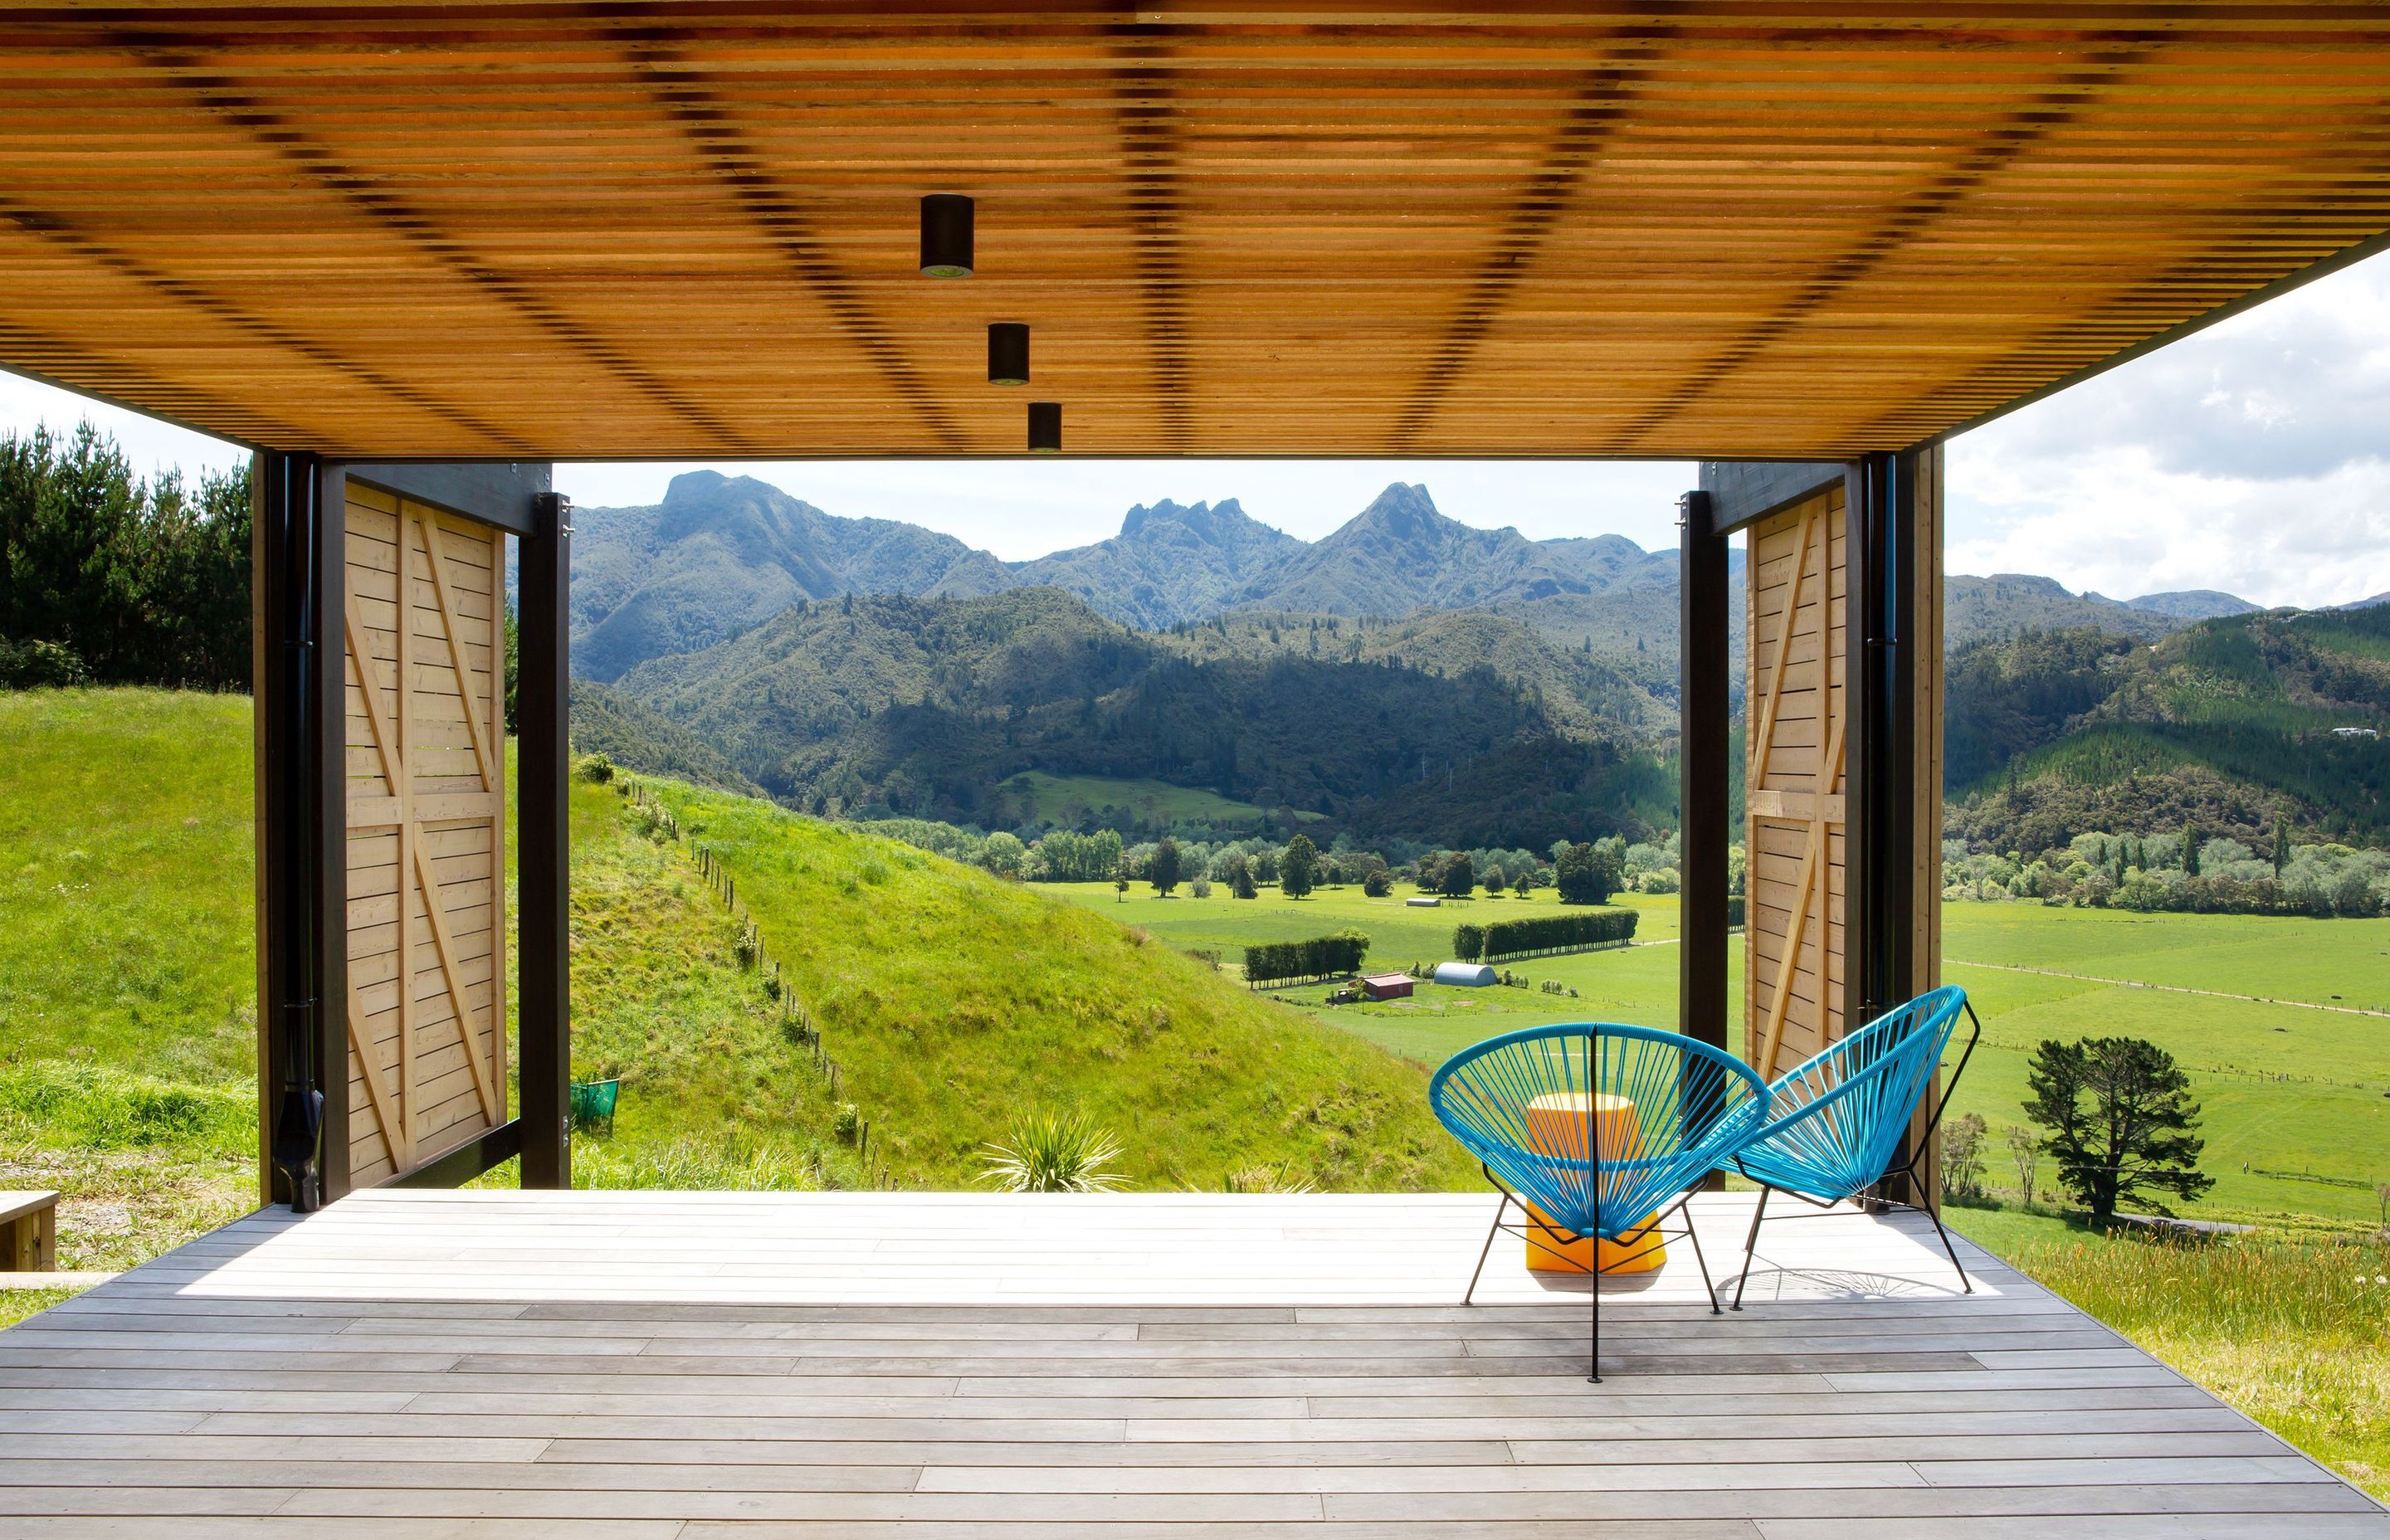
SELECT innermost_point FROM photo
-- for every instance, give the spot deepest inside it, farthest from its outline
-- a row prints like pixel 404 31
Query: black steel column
pixel 1883 828
pixel 1705 750
pixel 303 832
pixel 543 845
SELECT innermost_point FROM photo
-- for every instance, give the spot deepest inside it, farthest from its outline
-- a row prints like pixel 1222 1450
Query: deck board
pixel 622 1366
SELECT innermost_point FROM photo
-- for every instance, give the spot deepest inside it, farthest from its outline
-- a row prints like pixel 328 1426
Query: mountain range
pixel 1406 673
pixel 721 554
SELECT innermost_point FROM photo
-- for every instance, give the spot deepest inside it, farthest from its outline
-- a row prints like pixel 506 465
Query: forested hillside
pixel 925 707
pixel 2227 725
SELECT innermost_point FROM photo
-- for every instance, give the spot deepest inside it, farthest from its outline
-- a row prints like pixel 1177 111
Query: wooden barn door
pixel 427 1009
pixel 1796 783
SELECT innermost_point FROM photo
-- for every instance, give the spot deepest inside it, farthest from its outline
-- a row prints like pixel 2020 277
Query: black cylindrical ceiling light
pixel 1044 427
pixel 1007 353
pixel 946 235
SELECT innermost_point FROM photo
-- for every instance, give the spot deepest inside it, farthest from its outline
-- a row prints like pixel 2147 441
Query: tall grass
pixel 95 1107
pixel 738 1162
pixel 2295 1333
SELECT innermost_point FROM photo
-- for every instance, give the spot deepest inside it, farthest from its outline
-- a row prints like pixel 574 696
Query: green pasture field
pixel 2284 1089
pixel 1064 799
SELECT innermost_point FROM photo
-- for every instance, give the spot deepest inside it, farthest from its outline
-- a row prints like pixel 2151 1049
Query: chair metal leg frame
pixel 1528 1230
pixel 1750 1242
pixel 1873 1193
pixel 1866 1198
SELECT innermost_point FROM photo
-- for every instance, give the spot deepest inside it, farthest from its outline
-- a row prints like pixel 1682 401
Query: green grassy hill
pixel 127 973
pixel 953 1000
pixel 127 1001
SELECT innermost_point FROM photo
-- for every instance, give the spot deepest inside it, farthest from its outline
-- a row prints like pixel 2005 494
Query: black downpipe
pixel 295 796
pixel 1884 965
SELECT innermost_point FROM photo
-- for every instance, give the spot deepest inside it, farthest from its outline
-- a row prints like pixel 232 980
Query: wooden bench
pixel 29 1232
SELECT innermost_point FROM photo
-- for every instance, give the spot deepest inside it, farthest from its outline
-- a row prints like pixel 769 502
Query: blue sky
pixel 2253 457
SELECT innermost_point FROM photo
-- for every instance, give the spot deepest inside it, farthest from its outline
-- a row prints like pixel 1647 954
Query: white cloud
pixel 2253 457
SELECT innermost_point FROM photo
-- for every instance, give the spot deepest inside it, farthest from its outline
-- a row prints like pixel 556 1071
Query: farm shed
pixel 1386 986
pixel 1461 975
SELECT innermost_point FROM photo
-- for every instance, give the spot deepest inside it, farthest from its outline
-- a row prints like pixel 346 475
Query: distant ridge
pixel 1170 564
pixel 721 554
pixel 2190 604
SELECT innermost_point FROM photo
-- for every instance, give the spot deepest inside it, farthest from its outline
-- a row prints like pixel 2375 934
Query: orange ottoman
pixel 1556 1124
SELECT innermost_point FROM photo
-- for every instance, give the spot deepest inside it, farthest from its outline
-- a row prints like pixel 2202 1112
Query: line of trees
pixel 105 578
pixel 1302 961
pixel 2188 872
pixel 1546 935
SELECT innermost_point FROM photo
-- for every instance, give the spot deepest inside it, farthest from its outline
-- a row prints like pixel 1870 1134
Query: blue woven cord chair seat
pixel 1658 1109
pixel 1835 1122
pixel 1693 1105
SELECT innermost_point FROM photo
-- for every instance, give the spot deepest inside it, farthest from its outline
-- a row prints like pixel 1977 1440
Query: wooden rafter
pixel 1355 231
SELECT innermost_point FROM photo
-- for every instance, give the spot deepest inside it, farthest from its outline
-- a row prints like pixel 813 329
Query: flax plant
pixel 1052 1152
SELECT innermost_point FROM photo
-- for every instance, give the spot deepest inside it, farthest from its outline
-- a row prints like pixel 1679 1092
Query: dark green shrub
pixel 38 665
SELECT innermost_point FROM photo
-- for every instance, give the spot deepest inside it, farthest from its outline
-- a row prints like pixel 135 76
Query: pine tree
pixel 2133 1139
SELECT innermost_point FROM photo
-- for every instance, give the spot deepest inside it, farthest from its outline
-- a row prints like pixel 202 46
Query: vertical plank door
pixel 1793 943
pixel 425 637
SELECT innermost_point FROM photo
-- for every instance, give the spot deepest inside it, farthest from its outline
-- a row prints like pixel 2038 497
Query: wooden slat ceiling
pixel 1716 229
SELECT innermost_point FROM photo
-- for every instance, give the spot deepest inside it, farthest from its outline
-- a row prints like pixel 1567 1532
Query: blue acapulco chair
pixel 1835 1122
pixel 1694 1106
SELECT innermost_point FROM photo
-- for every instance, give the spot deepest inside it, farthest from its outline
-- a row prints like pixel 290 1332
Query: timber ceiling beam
pixel 67 237
pixel 1147 104
pixel 67 363
pixel 1602 107
pixel 1746 229
pixel 753 180
pixel 246 109
pixel 2059 104
pixel 2224 269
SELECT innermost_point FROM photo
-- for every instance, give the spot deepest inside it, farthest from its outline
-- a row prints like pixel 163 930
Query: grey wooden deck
pixel 622 1366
